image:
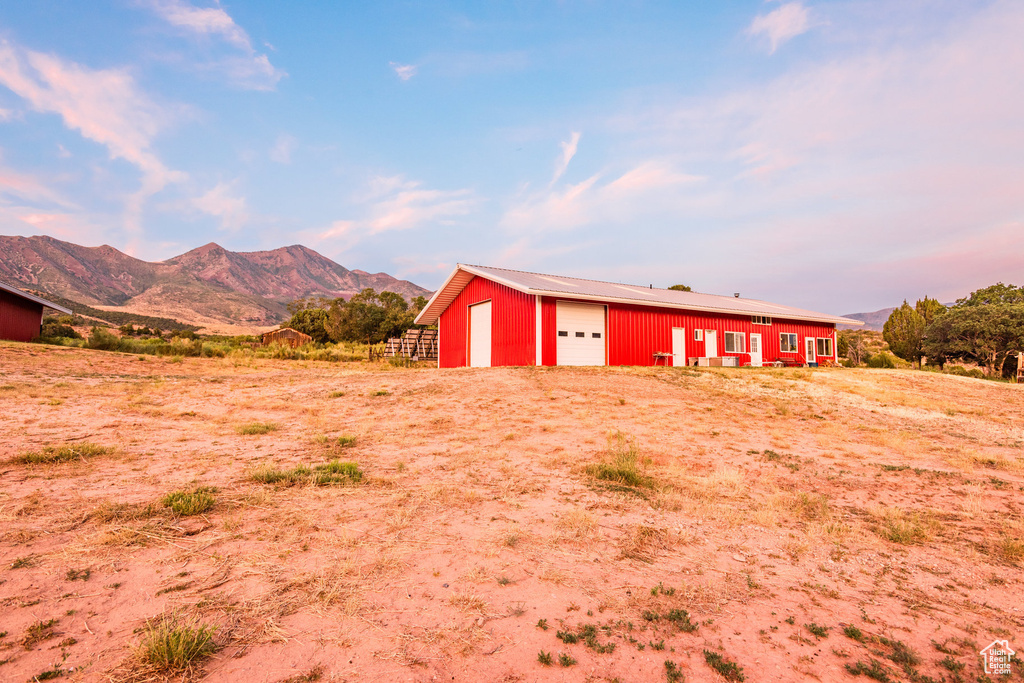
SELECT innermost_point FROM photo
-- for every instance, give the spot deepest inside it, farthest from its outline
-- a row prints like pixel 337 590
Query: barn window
pixel 760 320
pixel 563 333
pixel 596 335
pixel 581 334
pixel 734 342
pixel 824 347
pixel 787 343
pixel 698 335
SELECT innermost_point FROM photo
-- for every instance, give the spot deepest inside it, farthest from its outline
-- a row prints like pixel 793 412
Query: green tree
pixel 681 288
pixel 929 308
pixel 994 294
pixel 372 317
pixel 904 332
pixel 983 328
pixel 310 316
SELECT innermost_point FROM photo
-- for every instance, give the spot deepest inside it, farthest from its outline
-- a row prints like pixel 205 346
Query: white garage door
pixel 480 335
pixel 580 333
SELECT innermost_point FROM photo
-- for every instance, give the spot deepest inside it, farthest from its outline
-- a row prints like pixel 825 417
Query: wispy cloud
pixel 224 203
pixel 648 187
pixel 103 105
pixel 394 203
pixel 250 69
pixel 404 71
pixel 409 205
pixel 568 152
pixel 282 150
pixel 782 24
pixel 18 187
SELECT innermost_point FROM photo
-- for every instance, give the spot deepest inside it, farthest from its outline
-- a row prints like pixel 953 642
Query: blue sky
pixel 839 156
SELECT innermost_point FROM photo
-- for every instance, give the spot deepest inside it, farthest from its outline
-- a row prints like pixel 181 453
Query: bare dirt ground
pixel 799 524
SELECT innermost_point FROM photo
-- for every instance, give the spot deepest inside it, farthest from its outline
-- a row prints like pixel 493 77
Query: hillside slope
pixel 206 284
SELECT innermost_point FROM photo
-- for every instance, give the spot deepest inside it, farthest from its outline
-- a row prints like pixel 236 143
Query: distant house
pixel 495 316
pixel 286 335
pixel 21 313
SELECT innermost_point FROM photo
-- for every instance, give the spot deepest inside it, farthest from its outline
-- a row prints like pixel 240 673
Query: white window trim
pixel 828 343
pixel 734 335
pixel 790 334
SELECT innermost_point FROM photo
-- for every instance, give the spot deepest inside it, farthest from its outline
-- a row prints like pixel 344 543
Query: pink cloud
pixel 222 202
pixel 103 105
pixel 250 69
pixel 782 25
pixel 393 203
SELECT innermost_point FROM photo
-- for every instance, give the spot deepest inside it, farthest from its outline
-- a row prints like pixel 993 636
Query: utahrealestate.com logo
pixel 997 657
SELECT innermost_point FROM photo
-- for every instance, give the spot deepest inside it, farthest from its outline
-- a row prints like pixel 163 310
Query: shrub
pixel 187 503
pixel 854 633
pixel 961 371
pixel 816 630
pixel 874 670
pixel 882 360
pixel 729 670
pixel 171 647
pixel 58 328
pixel 103 340
pixel 544 658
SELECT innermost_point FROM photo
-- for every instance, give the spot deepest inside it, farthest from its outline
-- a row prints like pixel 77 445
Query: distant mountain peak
pixel 208 282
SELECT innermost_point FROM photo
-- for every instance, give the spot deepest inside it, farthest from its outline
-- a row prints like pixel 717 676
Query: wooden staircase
pixel 414 344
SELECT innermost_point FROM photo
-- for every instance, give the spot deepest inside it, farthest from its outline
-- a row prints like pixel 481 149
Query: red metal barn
pixel 494 317
pixel 21 314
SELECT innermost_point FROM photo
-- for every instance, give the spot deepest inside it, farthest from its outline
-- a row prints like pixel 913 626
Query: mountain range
pixel 873 320
pixel 208 286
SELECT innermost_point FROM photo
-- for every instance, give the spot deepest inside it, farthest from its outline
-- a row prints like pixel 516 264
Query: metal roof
pixel 596 290
pixel 31 297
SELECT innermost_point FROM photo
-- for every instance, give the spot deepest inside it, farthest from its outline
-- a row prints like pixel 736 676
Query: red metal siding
pixel 20 320
pixel 636 333
pixel 513 325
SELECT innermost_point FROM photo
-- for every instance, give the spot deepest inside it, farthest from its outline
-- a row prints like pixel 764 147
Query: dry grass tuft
pixel 468 601
pixel 124 512
pixel 333 473
pixel 1010 550
pixel 898 526
pixel 256 428
pixel 174 645
pixel 79 452
pixel 577 526
pixel 621 465
pixel 193 502
pixel 644 543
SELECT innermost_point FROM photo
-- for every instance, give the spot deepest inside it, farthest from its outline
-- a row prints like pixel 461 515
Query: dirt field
pixel 678 524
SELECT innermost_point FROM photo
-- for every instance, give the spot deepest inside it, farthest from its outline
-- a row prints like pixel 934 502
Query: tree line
pixel 368 317
pixel 985 329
